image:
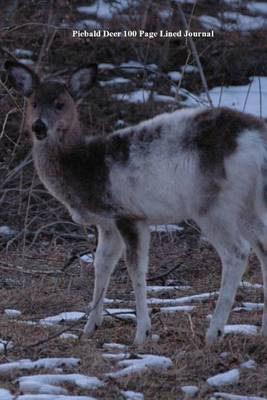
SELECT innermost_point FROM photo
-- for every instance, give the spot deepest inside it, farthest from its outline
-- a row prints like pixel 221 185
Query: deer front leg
pixel 108 252
pixel 137 238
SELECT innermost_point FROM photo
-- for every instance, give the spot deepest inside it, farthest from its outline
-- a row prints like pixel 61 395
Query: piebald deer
pixel 209 165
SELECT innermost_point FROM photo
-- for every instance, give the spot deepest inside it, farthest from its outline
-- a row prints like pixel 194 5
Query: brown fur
pixel 215 133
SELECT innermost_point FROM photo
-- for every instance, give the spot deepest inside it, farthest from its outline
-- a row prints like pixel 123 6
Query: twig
pixel 164 274
pixel 195 54
pixel 57 334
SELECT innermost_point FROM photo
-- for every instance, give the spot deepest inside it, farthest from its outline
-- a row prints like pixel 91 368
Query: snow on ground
pixel 189 69
pixel 23 53
pixel 68 316
pixel 243 23
pixel 130 395
pixel 5 395
pixel 25 61
pixel 82 381
pixel 87 24
pixel 247 306
pixel 244 329
pixel 136 97
pixel 106 67
pixel 145 363
pixel 250 98
pixel 209 22
pixel 190 390
pixel 5 345
pixel 225 378
pixel 249 285
pixel 185 299
pixel 122 313
pixel 46 363
pixel 142 96
pixel 133 67
pixel 230 396
pixel 106 10
pixel 257 7
pixel 115 82
pixel 233 21
pixel 115 346
pixel 68 335
pixel 175 309
pixel 40 388
pixel 164 289
pixel 115 356
pixel 250 364
pixel 166 228
pixel 12 313
pixel 6 231
pixel 88 258
pixel 175 76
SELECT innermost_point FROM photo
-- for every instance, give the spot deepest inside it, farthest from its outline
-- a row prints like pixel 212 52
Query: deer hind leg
pixel 233 251
pixel 261 252
pixel 137 238
pixel 109 250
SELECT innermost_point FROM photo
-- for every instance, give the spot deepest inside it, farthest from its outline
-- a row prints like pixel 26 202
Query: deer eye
pixel 34 104
pixel 59 105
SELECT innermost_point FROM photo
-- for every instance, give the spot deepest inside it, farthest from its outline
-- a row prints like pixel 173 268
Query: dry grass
pixel 181 335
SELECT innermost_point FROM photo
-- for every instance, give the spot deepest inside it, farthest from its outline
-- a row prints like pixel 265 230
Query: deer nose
pixel 40 129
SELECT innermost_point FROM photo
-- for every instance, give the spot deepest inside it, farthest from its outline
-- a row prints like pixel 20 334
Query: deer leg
pixel 137 238
pixel 261 252
pixel 109 250
pixel 234 260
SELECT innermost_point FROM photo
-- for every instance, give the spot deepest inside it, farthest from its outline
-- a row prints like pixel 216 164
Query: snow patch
pixel 115 346
pixel 122 313
pixel 68 335
pixel 257 7
pixel 104 9
pixel 175 76
pixel 185 299
pixel 115 82
pixel 166 228
pixel 171 310
pixel 6 231
pixel 250 98
pixel 130 395
pixel 88 258
pixel 190 390
pixel 87 24
pixel 230 396
pixel 242 328
pixel 5 395
pixel 250 364
pixel 5 345
pixel 146 362
pixel 46 363
pixel 225 378
pixel 82 381
pixel 68 316
pixel 12 313
pixel 157 289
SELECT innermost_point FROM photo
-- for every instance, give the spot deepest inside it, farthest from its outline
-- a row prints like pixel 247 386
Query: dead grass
pixel 181 335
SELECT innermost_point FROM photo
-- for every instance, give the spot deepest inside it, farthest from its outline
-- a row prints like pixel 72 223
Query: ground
pixel 42 271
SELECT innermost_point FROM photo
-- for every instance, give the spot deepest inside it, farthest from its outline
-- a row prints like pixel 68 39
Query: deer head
pixel 52 104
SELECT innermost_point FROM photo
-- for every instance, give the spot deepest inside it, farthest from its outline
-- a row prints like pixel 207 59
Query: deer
pixel 205 164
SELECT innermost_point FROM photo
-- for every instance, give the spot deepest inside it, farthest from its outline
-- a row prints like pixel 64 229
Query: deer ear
pixel 22 78
pixel 81 80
